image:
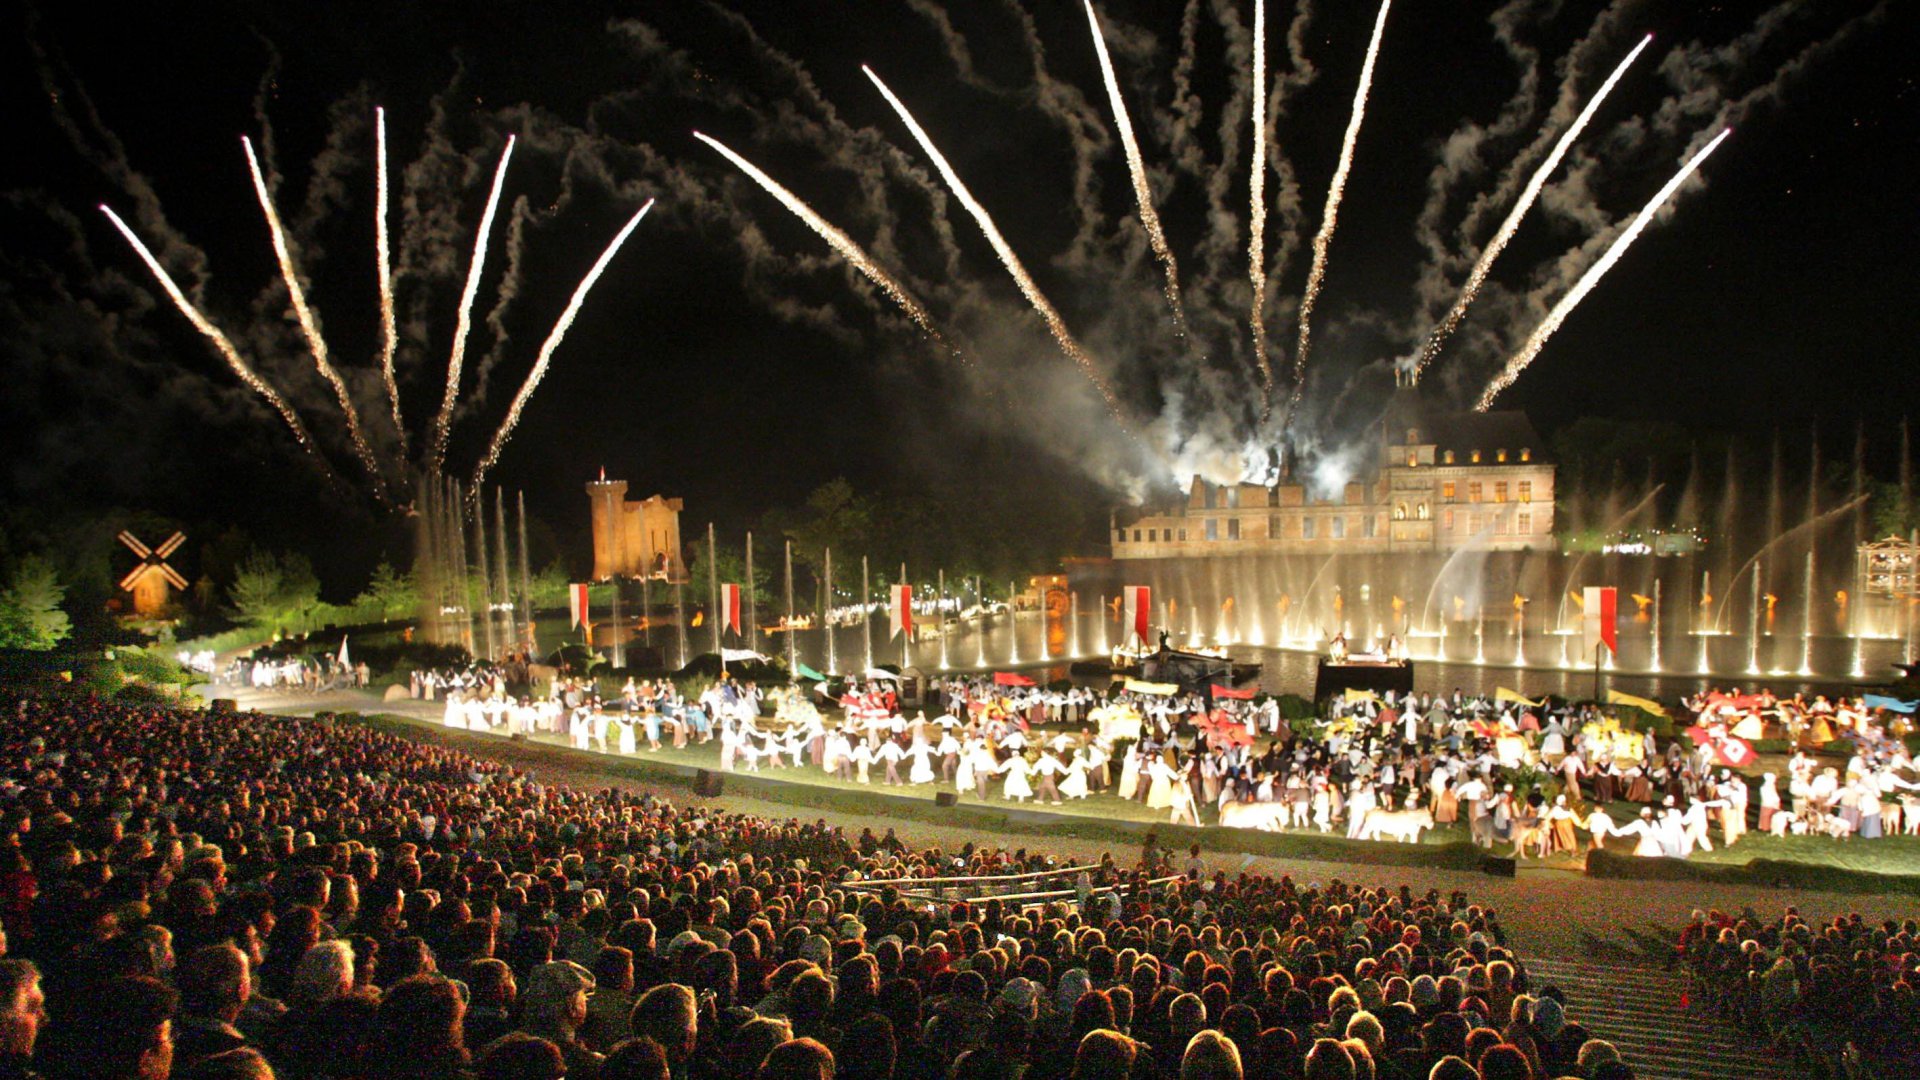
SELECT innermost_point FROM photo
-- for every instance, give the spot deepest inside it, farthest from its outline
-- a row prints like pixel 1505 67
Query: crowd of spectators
pixel 191 894
pixel 1828 994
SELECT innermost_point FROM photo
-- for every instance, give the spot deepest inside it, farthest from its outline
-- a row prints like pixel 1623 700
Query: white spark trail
pixel 303 314
pixel 836 239
pixel 1478 276
pixel 383 252
pixel 220 341
pixel 1149 218
pixel 1061 334
pixel 547 347
pixel 1538 339
pixel 464 323
pixel 1257 209
pixel 1323 240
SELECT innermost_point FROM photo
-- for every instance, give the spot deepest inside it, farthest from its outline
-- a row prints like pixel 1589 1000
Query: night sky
pixel 728 358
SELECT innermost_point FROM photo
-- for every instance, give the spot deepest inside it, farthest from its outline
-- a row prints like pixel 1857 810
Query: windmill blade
pixel 133 576
pixel 173 578
pixel 134 543
pixel 170 545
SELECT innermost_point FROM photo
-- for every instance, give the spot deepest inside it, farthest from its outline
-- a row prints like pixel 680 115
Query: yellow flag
pixel 1159 689
pixel 1615 697
pixel 1355 696
pixel 1504 694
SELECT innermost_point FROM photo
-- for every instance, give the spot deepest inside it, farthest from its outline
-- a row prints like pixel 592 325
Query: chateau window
pixel 1233 528
pixel 1473 491
pixel 1273 497
pixel 1449 457
pixel 1500 455
pixel 1473 523
pixel 1474 457
pixel 1153 535
pixel 1273 526
pixel 1446 520
pixel 1420 511
pixel 1136 536
pixel 1306 528
pixel 1413 461
pixel 1500 491
pixel 1526 525
pixel 1183 534
pixel 1526 491
pixel 1526 454
pixel 1400 511
pixel 1447 491
pixel 1367 526
pixel 1337 528
pixel 1213 528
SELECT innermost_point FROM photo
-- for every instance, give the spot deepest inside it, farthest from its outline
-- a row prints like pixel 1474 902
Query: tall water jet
pixel 1013 625
pixel 940 609
pixel 1655 662
pixel 486 577
pixel 503 587
pixel 1073 625
pixel 753 605
pixel 1753 626
pixel 793 630
pixel 526 581
pixel 1480 636
pixel 1106 642
pixel 826 611
pixel 1806 620
pixel 680 620
pixel 866 615
pixel 713 592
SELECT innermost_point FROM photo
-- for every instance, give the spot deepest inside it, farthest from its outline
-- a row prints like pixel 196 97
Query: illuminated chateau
pixel 634 539
pixel 1440 482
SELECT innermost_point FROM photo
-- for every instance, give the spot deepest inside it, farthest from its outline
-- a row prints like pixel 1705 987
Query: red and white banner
pixel 1011 678
pixel 730 608
pixel 900 611
pixel 1139 608
pixel 577 606
pixel 1600 625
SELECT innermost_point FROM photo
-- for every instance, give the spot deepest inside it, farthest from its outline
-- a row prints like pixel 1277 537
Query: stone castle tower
pixel 634 539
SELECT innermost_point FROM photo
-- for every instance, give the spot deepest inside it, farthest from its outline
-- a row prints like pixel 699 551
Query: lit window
pixel 1526 491
pixel 1500 455
pixel 1413 461
pixel 1500 491
pixel 1446 520
pixel 1421 511
pixel 1526 525
pixel 1449 457
pixel 1473 491
pixel 1475 457
pixel 1447 491
pixel 1526 454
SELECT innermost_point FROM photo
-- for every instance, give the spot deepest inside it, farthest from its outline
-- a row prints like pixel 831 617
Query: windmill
pixel 151 581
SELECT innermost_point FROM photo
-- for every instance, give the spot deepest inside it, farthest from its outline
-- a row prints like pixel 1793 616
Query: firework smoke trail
pixel 220 342
pixel 560 328
pixel 1538 339
pixel 383 258
pixel 1149 218
pixel 465 322
pixel 304 315
pixel 1257 209
pixel 1511 225
pixel 1323 240
pixel 1020 276
pixel 836 239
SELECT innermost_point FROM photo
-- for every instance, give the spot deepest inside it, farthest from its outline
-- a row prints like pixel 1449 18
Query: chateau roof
pixel 1502 429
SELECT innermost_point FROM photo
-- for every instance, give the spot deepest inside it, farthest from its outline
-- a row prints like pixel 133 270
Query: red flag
pixel 1734 753
pixel 1237 695
pixel 577 605
pixel 900 612
pixel 1011 678
pixel 730 608
pixel 1599 623
pixel 1139 606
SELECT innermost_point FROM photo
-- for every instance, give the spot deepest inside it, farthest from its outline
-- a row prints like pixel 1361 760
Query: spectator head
pixel 640 1059
pixel 215 982
pixel 23 1008
pixel 490 984
pixel 128 1026
pixel 1505 1062
pixel 1186 1016
pixel 419 1024
pixel 554 1001
pixel 1595 1053
pixel 1328 1060
pixel 520 1056
pixel 752 1042
pixel 1211 1056
pixel 1104 1055
pixel 1453 1068
pixel 325 972
pixel 667 1015
pixel 797 1059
